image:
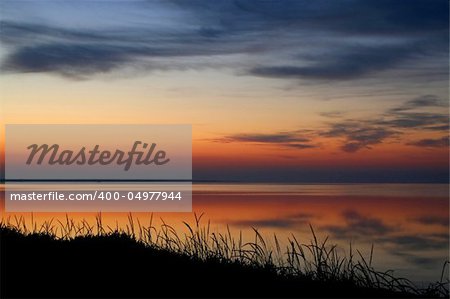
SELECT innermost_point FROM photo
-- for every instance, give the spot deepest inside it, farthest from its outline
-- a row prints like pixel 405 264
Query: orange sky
pixel 325 97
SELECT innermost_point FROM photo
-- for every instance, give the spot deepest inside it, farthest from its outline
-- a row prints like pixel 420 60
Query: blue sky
pixel 323 89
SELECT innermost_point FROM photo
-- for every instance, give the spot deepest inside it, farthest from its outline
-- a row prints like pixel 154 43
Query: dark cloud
pixel 347 16
pixel 267 138
pixel 81 53
pixel 364 137
pixel 352 63
pixel 441 142
pixel 420 242
pixel 407 246
pixel 19 33
pixel 428 262
pixel 273 223
pixel 372 19
pixel 369 228
pixel 348 39
pixel 290 221
pixel 358 134
pixel 286 139
pixel 416 120
pixel 420 102
pixel 68 59
pixel 358 225
pixel 300 145
pixel 432 220
pixel 416 242
pixel 438 128
pixel 442 236
pixel 353 147
pixel 410 115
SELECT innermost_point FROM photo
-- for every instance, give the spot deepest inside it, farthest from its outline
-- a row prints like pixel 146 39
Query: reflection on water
pixel 407 223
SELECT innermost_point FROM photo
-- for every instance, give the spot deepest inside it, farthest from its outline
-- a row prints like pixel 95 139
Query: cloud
pixel 421 261
pixel 432 220
pixel 83 52
pixel 347 16
pixel 407 246
pixel 419 242
pixel 352 63
pixel 441 142
pixel 68 59
pixel 420 102
pixel 361 134
pixel 354 57
pixel 300 145
pixel 319 40
pixel 267 138
pixel 358 225
pixel 416 242
pixel 286 139
pixel 358 134
pixel 437 128
pixel 290 221
pixel 272 223
pixel 411 115
pixel 416 120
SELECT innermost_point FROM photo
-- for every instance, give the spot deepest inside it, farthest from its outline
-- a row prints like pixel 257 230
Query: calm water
pixel 407 223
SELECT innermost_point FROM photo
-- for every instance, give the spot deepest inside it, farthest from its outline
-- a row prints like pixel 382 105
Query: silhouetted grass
pixel 180 265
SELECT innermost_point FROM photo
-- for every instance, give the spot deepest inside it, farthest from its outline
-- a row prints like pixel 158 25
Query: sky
pixel 305 91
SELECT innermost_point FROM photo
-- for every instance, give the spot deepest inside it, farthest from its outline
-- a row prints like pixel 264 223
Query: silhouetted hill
pixel 116 265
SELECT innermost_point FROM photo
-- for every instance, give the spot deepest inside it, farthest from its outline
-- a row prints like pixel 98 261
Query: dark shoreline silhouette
pixel 116 265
